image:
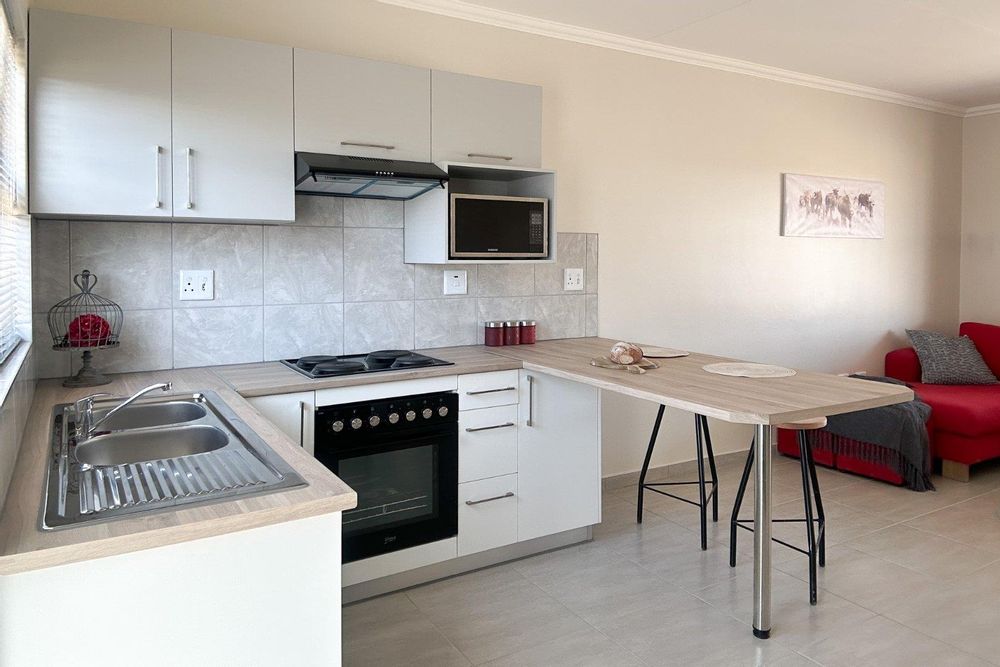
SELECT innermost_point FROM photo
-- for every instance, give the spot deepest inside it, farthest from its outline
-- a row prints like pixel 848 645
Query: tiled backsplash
pixel 334 281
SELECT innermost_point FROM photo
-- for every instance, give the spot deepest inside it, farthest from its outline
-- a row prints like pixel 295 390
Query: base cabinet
pixel 293 413
pixel 487 514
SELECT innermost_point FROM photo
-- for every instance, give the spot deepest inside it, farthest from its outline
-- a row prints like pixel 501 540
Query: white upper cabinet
pixel 484 120
pixel 99 119
pixel 233 129
pixel 353 106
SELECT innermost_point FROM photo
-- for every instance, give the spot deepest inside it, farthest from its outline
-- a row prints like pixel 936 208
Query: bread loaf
pixel 625 353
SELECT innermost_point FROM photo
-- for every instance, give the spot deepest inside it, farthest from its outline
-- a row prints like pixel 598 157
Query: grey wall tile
pixel 506 280
pixel 590 278
pixel 49 363
pixel 319 211
pixel 378 325
pixel 373 266
pixel 560 316
pixel 505 308
pixel 429 280
pixel 146 344
pixel 445 322
pixel 373 213
pixel 295 331
pixel 131 260
pixel 50 279
pixel 571 253
pixel 303 265
pixel 211 336
pixel 234 252
pixel 590 324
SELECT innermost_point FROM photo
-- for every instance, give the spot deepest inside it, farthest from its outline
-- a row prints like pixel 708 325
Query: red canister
pixel 528 331
pixel 511 333
pixel 494 333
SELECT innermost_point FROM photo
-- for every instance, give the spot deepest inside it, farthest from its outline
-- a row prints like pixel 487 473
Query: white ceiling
pixel 943 51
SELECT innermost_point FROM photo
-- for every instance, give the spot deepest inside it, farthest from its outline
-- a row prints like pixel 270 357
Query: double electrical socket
pixel 197 285
pixel 456 282
pixel 572 280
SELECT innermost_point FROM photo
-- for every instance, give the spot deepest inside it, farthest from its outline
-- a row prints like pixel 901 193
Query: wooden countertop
pixel 681 383
pixel 271 377
pixel 24 546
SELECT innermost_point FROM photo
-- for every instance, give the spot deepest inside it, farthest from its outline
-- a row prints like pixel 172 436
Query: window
pixel 15 234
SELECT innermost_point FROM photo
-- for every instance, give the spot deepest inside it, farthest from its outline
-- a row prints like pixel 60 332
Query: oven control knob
pixel 393 417
pixel 443 411
pixel 337 426
pixel 374 420
pixel 356 423
pixel 427 412
pixel 410 415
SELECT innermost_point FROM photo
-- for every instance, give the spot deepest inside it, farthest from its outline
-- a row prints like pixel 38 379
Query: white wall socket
pixel 456 282
pixel 573 280
pixel 197 285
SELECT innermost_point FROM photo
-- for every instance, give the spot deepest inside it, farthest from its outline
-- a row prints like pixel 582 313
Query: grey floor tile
pixel 930 554
pixel 580 649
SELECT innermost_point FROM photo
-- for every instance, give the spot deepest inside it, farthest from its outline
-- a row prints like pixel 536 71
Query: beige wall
pixel 678 168
pixel 981 219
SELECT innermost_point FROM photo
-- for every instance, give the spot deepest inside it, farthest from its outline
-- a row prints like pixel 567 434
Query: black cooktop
pixel 323 366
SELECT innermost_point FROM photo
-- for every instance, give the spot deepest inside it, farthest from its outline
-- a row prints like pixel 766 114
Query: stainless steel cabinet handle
pixel 509 494
pixel 508 158
pixel 490 428
pixel 531 410
pixel 489 391
pixel 190 159
pixel 363 144
pixel 306 426
pixel 157 202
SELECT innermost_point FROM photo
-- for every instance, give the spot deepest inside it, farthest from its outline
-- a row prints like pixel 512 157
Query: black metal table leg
pixel 807 499
pixel 645 463
pixel 819 508
pixel 711 466
pixel 740 492
pixel 702 502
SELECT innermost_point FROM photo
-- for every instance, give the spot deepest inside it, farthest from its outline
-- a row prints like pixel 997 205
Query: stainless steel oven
pixel 401 456
pixel 489 227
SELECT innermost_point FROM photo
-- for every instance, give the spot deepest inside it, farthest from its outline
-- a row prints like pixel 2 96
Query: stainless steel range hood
pixel 368 177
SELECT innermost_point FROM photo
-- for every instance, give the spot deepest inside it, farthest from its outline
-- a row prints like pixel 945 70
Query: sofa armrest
pixel 903 364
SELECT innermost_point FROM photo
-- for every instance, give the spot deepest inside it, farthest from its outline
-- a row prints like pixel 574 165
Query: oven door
pixel 407 489
pixel 489 227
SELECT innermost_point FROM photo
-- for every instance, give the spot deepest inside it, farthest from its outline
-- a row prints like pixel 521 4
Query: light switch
pixel 456 282
pixel 573 280
pixel 197 285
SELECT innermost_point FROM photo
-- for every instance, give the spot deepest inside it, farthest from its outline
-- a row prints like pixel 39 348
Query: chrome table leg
pixel 762 533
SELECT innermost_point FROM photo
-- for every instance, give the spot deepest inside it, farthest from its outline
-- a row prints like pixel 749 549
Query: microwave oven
pixel 493 227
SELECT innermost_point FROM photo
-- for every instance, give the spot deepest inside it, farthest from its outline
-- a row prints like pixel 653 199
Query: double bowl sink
pixel 155 454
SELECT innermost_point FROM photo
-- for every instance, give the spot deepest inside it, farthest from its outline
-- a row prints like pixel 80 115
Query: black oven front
pixel 401 457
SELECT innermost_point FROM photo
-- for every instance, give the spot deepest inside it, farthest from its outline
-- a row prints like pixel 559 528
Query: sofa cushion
pixel 949 360
pixel 970 410
pixel 987 340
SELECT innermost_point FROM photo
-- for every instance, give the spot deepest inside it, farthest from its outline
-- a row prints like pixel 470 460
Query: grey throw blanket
pixel 893 436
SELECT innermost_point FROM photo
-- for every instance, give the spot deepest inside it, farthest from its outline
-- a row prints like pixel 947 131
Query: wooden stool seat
pixel 804 425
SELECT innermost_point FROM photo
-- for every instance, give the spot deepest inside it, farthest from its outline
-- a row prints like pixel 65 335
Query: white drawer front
pixel 484 390
pixel 487 442
pixel 490 520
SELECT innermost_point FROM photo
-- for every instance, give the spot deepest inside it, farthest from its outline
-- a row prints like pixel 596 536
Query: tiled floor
pixel 911 579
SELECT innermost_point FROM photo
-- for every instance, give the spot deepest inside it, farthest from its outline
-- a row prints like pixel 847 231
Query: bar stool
pixel 810 486
pixel 701 432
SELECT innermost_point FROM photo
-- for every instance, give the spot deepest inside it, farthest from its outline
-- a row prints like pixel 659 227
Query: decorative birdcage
pixel 86 322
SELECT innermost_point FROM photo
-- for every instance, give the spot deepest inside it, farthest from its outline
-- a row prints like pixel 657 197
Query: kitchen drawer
pixel 487 442
pixel 490 520
pixel 485 390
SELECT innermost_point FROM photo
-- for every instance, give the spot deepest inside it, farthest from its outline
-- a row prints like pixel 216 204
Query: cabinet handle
pixel 508 158
pixel 509 494
pixel 489 391
pixel 157 203
pixel 531 410
pixel 306 425
pixel 190 160
pixel 363 144
pixel 489 428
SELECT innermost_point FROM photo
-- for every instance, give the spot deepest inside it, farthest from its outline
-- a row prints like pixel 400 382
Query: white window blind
pixel 15 235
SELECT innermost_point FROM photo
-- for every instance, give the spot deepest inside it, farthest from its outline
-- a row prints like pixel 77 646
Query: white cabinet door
pixel 558 455
pixel 99 116
pixel 233 129
pixel 484 120
pixel 293 414
pixel 353 106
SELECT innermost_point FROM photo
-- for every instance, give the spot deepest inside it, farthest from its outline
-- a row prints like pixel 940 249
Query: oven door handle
pixel 489 428
pixel 509 494
pixel 489 391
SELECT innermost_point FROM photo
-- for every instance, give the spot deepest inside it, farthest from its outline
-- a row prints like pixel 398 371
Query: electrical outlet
pixel 197 285
pixel 573 280
pixel 456 282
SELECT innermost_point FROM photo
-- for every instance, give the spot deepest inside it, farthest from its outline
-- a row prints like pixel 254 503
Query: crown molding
pixel 546 28
pixel 984 110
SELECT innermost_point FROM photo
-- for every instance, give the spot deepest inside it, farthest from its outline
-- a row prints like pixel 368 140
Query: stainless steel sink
pixel 123 447
pixel 156 454
pixel 145 415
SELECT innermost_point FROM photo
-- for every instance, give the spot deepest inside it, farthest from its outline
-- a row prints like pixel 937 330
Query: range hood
pixel 368 177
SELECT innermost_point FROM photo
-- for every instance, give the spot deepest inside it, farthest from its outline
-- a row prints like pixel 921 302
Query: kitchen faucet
pixel 85 409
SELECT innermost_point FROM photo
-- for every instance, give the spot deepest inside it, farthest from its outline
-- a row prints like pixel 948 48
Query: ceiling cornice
pixel 546 28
